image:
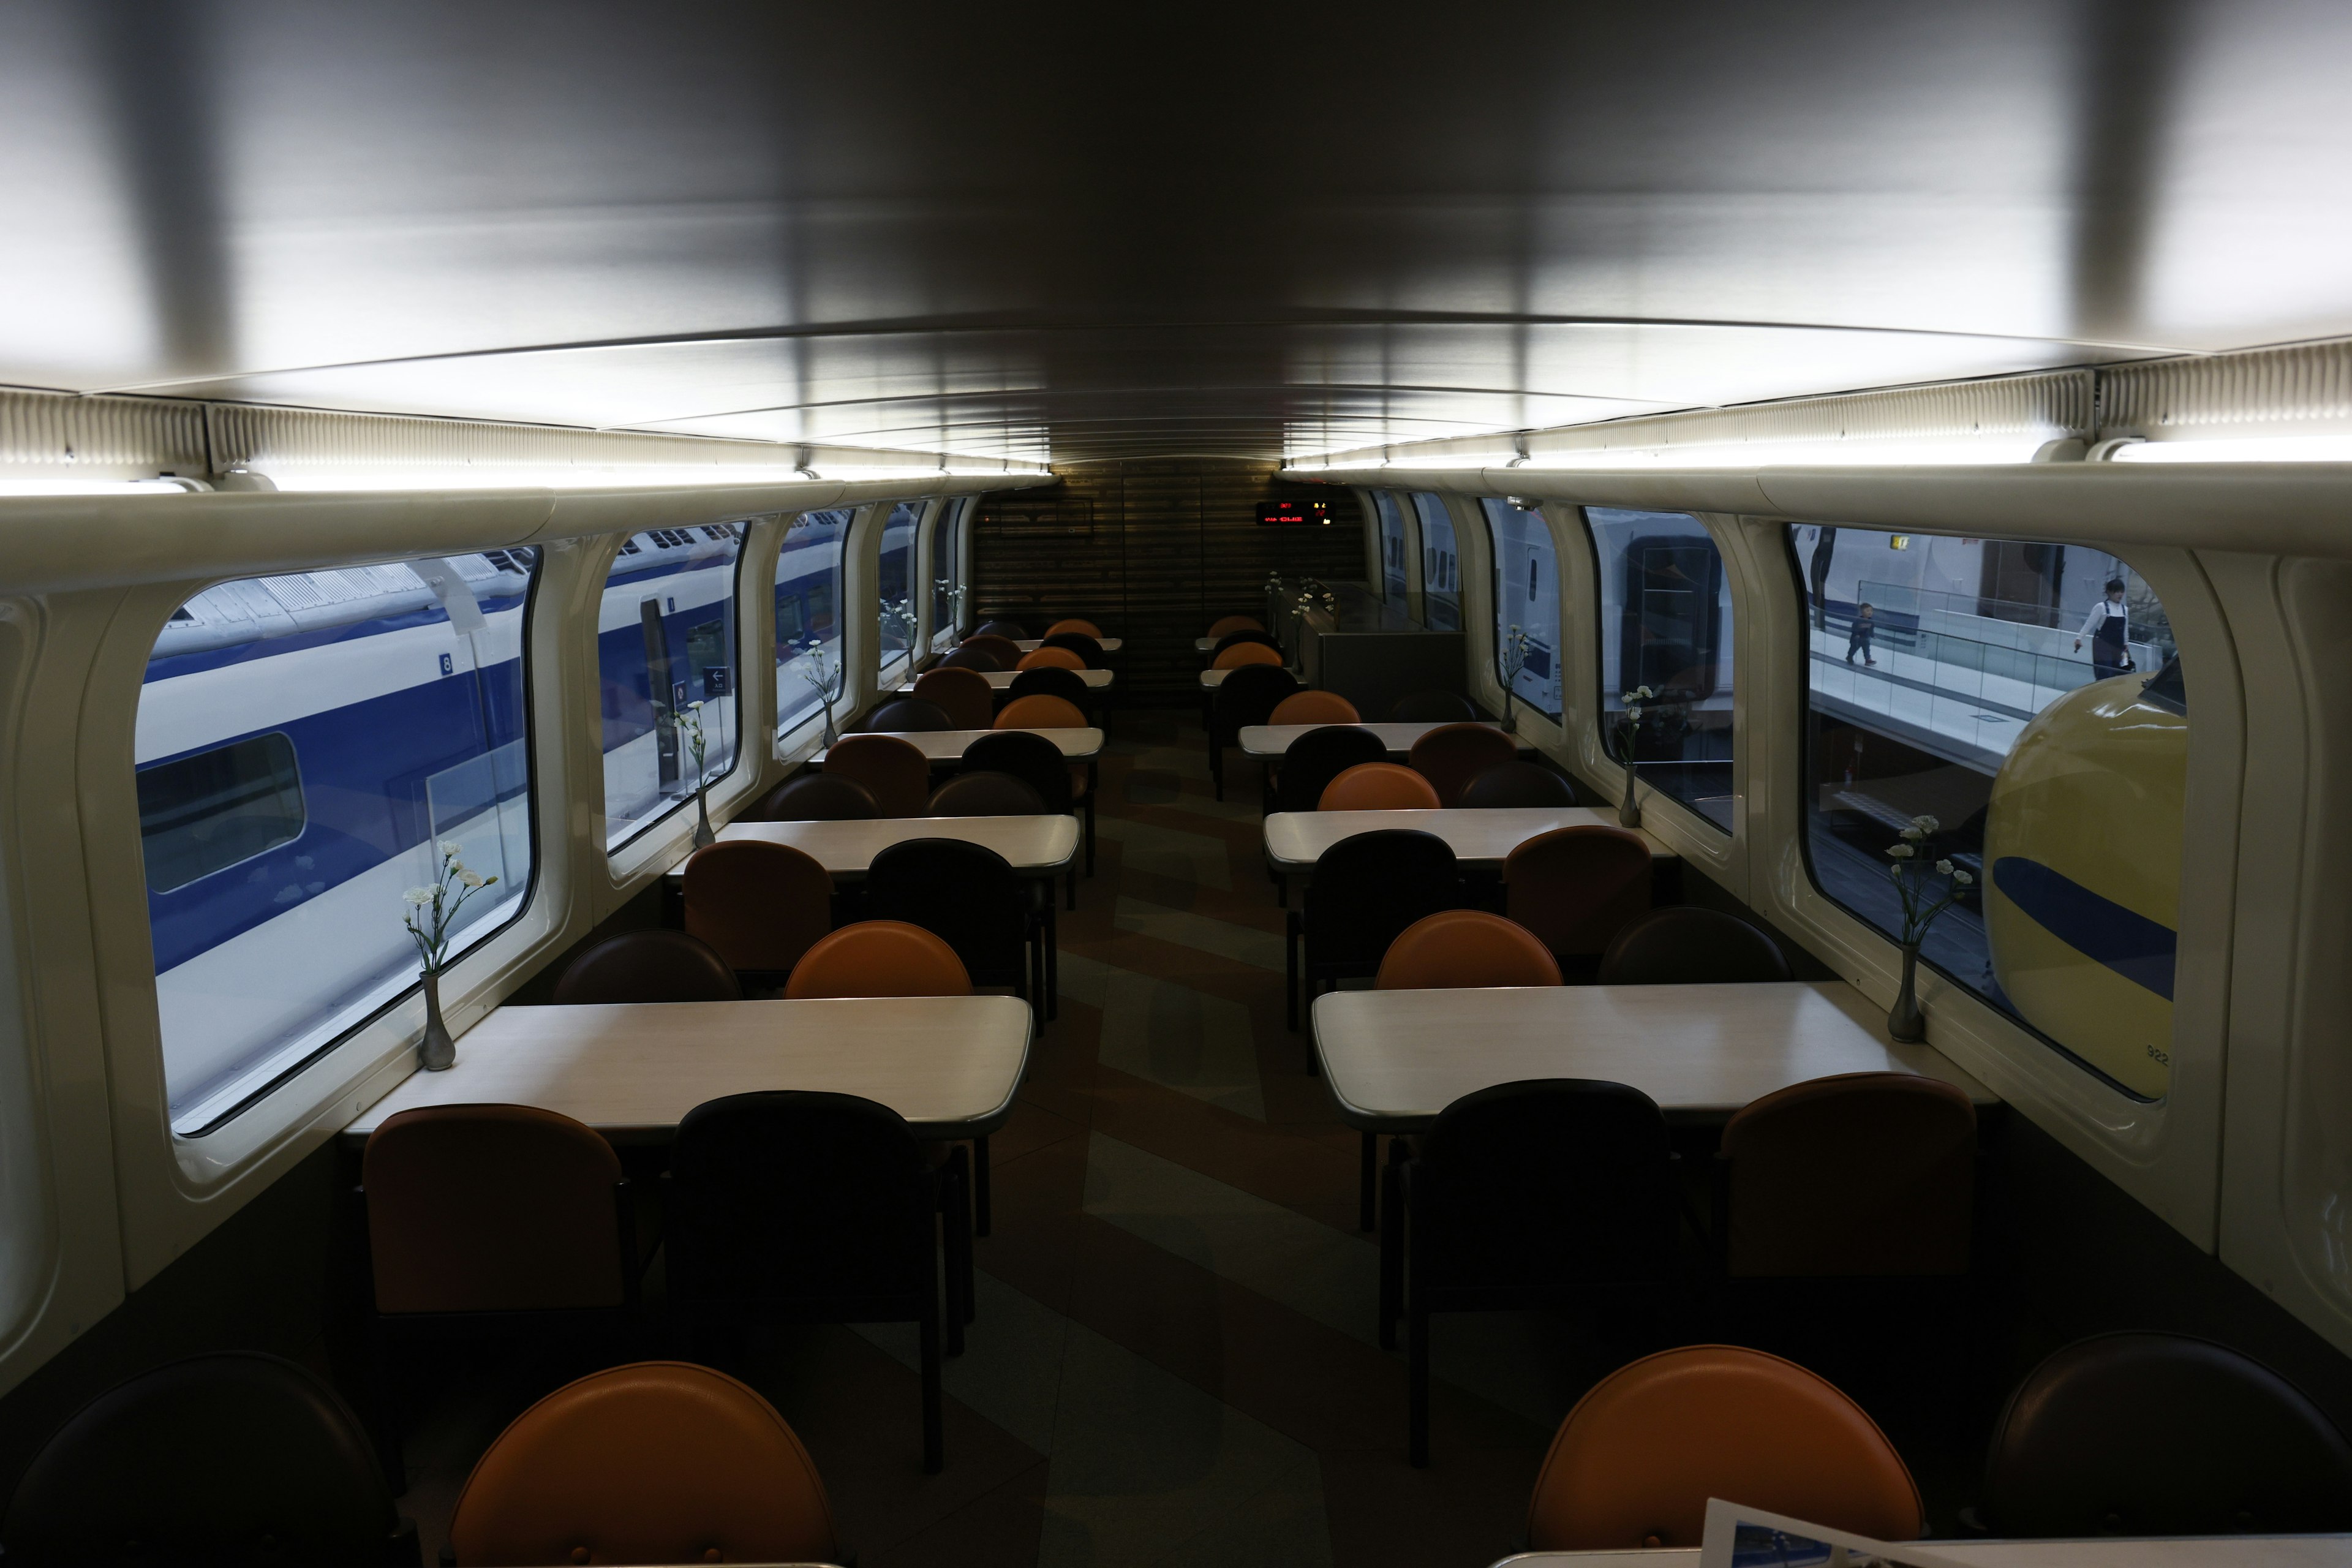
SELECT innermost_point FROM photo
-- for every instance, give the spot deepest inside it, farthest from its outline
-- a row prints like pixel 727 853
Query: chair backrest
pixel 1637 1459
pixel 1033 759
pixel 1049 681
pixel 1051 659
pixel 1246 635
pixel 1006 652
pixel 1072 624
pixel 907 716
pixel 1576 887
pixel 816 797
pixel 2149 1434
pixel 984 793
pixel 999 627
pixel 1226 625
pixel 1317 757
pixel 491 1208
pixel 793 1196
pixel 1796 1207
pixel 1511 784
pixel 1431 708
pixel 655 1462
pixel 1087 647
pixel 1454 949
pixel 878 958
pixel 1242 653
pixel 647 966
pixel 232 1458
pixel 964 695
pixel 1368 886
pixel 895 771
pixel 1690 946
pixel 1451 756
pixel 1040 711
pixel 1545 1184
pixel 1247 697
pixel 1314 708
pixel 1378 786
pixel 965 894
pixel 761 905
pixel 966 657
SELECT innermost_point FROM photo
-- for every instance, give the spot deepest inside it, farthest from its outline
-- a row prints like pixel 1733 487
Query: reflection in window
pixel 1440 565
pixel 1391 521
pixel 1666 622
pixel 1527 595
pixel 665 640
pixel 2028 697
pixel 303 741
pixel 897 581
pixel 947 592
pixel 808 620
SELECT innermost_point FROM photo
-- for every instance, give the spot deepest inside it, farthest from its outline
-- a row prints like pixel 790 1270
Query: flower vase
pixel 830 738
pixel 703 837
pixel 1510 720
pixel 437 1052
pixel 1904 1022
pixel 1629 807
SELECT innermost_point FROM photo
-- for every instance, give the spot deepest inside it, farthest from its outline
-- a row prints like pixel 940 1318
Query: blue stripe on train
pixel 2101 930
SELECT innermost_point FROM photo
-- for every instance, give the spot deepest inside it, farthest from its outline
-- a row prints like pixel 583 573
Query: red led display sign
pixel 1271 513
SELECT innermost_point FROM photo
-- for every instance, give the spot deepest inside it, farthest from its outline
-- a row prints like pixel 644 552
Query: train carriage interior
pixel 1316 786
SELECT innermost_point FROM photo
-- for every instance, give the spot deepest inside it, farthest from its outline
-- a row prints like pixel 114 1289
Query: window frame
pixel 947 521
pixel 1451 566
pixel 1498 626
pixel 782 736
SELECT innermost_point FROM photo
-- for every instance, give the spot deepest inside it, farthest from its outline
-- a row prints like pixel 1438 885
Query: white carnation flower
pixel 471 878
pixel 1902 852
pixel 1646 694
pixel 451 847
pixel 420 897
pixel 1925 824
pixel 1962 877
pixel 1913 836
pixel 1944 867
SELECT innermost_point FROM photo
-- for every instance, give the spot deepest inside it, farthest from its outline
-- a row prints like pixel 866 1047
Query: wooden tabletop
pixel 948 1064
pixel 1294 840
pixel 1031 645
pixel 1393 1059
pixel 1095 679
pixel 1267 742
pixel 947 745
pixel 1039 845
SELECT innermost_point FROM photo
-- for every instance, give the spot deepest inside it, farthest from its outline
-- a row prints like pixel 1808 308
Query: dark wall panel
pixel 1152 551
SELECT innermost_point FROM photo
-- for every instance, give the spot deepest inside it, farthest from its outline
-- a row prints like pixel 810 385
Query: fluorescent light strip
pixel 1857 453
pixel 2240 449
pixel 62 486
pixel 323 477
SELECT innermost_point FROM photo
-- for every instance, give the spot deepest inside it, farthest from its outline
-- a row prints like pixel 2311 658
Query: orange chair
pixel 1041 713
pixel 1051 659
pixel 963 695
pixel 894 768
pixel 879 958
pixel 1576 888
pixel 1314 708
pixel 761 905
pixel 1086 629
pixel 655 1462
pixel 1451 756
pixel 1004 650
pixel 1378 786
pixel 1459 948
pixel 1232 624
pixel 1635 1462
pixel 1242 653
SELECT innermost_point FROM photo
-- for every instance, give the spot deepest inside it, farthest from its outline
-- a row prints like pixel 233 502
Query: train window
pixel 2027 697
pixel 1527 599
pixel 303 743
pixel 808 623
pixel 1392 521
pixel 1440 565
pixel 897 591
pixel 947 593
pixel 665 641
pixel 1665 624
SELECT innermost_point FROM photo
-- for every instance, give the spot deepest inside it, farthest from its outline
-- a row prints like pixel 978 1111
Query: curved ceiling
pixel 1089 232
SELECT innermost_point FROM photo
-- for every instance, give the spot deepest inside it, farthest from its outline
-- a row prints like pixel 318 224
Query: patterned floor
pixel 1174 1358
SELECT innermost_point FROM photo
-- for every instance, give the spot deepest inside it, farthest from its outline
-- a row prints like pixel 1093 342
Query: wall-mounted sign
pixel 1271 512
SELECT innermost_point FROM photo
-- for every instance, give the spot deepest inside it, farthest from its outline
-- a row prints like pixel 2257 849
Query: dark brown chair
pixel 1451 756
pixel 986 794
pixel 817 798
pixel 1248 634
pixel 964 695
pixel 1861 1175
pixel 1637 1459
pixel 980 660
pixel 895 771
pixel 1516 784
pixel 1576 888
pixel 1687 946
pixel 997 627
pixel 761 905
pixel 647 966
pixel 1004 650
pixel 1063 785
pixel 1047 681
pixel 907 716
pixel 1247 697
pixel 1317 757
pixel 1431 708
pixel 2149 1434
pixel 480 1210
pixel 655 1462
pixel 1088 648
